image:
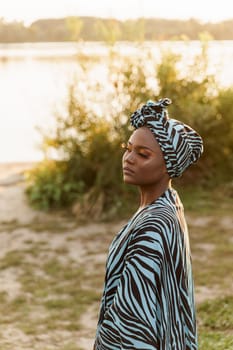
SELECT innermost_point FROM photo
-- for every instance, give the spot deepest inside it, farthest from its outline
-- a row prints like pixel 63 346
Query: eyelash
pixel 126 148
pixel 143 155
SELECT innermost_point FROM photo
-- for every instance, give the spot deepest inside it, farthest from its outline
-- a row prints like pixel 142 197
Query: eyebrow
pixel 141 146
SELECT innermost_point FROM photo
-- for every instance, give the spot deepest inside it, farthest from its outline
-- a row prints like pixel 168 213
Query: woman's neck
pixel 150 194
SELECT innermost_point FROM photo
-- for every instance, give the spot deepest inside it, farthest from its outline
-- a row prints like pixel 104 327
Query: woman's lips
pixel 127 170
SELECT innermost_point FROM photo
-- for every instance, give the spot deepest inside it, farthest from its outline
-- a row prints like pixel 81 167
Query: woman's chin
pixel 128 180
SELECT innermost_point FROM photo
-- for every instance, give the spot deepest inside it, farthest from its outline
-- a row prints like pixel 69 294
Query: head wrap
pixel 180 144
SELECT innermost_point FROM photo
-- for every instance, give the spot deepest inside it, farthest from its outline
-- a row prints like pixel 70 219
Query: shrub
pixel 49 186
pixel 87 144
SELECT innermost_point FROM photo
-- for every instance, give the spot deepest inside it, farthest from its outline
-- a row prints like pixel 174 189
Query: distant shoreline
pixel 90 28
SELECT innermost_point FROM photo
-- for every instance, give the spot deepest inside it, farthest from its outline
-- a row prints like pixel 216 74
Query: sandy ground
pixel 13 204
pixel 14 209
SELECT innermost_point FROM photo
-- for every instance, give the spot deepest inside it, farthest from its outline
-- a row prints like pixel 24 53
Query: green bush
pixel 207 108
pixel 49 186
pixel 87 144
pixel 89 167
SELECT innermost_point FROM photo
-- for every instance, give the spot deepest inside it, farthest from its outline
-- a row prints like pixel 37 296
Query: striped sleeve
pixel 132 319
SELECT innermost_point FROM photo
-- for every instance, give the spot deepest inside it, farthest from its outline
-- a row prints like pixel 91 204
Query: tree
pixel 74 25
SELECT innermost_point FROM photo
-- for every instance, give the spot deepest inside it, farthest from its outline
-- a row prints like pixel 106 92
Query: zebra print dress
pixel 148 300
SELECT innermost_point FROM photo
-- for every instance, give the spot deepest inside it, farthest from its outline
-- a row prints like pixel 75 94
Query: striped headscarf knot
pixel 180 144
pixel 154 110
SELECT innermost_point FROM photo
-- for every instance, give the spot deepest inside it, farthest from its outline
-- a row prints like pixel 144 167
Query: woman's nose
pixel 129 157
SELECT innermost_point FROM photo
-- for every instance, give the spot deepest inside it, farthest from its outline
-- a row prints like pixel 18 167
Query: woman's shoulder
pixel 158 218
pixel 162 216
pixel 161 210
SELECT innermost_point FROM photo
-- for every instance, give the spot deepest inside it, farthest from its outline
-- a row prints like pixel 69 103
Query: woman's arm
pixel 131 320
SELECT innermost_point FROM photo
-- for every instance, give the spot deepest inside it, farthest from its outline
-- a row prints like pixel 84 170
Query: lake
pixel 34 78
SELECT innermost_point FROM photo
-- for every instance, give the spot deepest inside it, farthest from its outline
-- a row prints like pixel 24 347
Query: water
pixel 34 80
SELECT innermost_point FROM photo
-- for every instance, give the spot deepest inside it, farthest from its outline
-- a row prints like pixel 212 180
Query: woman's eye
pixel 143 155
pixel 141 152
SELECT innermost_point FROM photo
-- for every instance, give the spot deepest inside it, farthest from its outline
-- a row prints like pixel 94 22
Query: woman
pixel 148 300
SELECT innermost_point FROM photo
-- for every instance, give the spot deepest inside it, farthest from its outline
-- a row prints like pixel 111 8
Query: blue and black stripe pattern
pixel 180 144
pixel 148 302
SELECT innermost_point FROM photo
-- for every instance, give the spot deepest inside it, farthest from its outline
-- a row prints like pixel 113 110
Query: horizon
pixel 27 11
pixel 27 24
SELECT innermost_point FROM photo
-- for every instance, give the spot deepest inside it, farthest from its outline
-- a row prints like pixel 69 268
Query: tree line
pixel 111 30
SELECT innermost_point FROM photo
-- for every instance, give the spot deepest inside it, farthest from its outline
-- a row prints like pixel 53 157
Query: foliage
pixel 49 185
pixel 13 32
pixel 87 143
pixel 89 151
pixel 100 29
pixel 109 31
pixel 74 25
pixel 199 102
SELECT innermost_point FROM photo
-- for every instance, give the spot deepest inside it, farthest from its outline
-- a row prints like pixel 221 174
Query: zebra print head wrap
pixel 180 144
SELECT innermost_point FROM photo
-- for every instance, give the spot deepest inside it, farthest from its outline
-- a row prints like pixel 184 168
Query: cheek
pixel 155 169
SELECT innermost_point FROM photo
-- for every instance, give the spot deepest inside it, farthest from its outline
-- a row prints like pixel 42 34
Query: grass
pixel 53 296
pixel 213 201
pixel 57 289
pixel 212 249
pixel 216 324
pixel 54 224
pixel 217 314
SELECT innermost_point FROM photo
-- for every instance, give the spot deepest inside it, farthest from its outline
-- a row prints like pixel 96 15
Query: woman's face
pixel 143 163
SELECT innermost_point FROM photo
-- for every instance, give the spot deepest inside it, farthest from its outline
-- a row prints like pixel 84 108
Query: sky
pixel 30 10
